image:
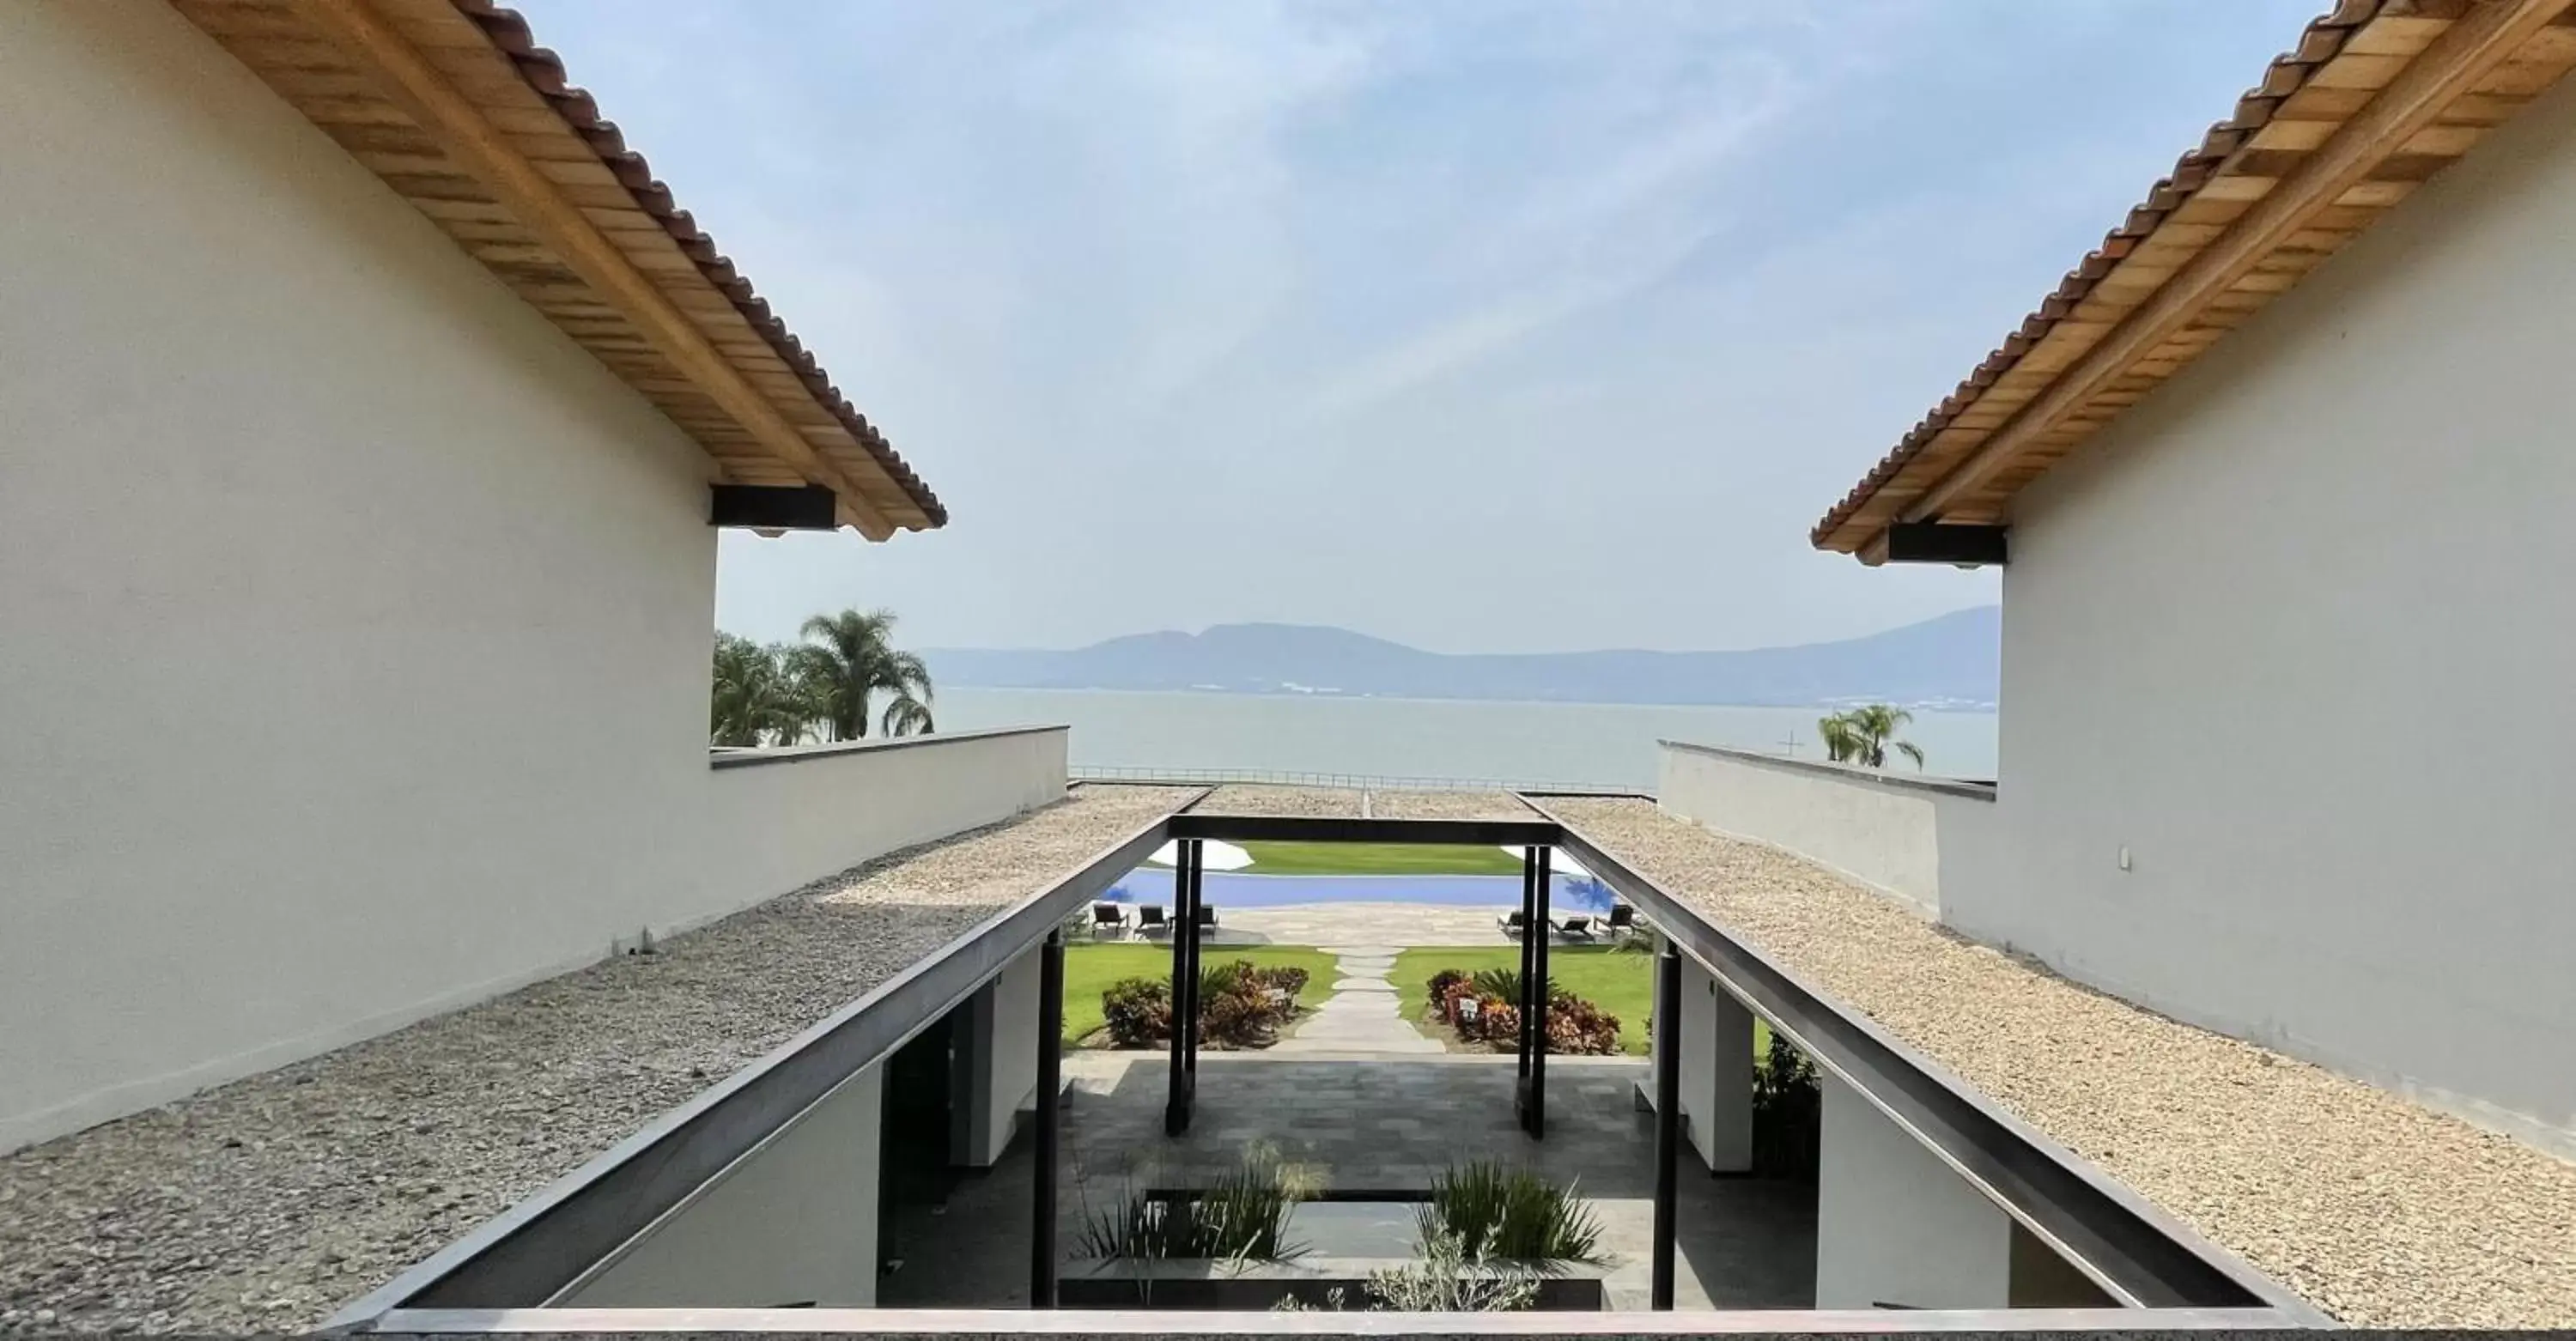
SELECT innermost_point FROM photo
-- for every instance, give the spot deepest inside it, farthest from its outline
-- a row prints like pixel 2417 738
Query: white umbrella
pixel 1213 855
pixel 1558 863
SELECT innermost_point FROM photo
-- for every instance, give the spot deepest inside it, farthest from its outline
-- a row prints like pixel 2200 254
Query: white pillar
pixel 794 1223
pixel 995 1053
pixel 1717 1071
pixel 1897 1227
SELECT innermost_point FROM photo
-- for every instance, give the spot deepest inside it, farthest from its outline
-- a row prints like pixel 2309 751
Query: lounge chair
pixel 1149 919
pixel 1623 921
pixel 1578 925
pixel 1207 919
pixel 1511 924
pixel 1107 917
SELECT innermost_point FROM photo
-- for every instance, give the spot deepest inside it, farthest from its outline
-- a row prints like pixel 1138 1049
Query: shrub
pixel 1578 1027
pixel 1241 1005
pixel 1138 1012
pixel 1238 1020
pixel 1441 1280
pixel 1574 1026
pixel 1497 1211
pixel 1788 1115
pixel 1218 980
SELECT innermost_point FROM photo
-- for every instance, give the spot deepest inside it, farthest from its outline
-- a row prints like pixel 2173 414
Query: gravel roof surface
pixel 265 1204
pixel 2379 1211
pixel 1242 799
pixel 1448 805
pixel 1344 802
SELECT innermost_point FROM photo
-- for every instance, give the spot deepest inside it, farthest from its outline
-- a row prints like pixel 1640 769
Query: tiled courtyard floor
pixel 1373 1123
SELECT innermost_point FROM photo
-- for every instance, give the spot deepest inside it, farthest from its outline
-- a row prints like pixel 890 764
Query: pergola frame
pixel 507 1275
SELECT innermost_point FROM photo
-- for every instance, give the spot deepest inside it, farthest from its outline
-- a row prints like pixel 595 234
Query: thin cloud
pixel 1275 310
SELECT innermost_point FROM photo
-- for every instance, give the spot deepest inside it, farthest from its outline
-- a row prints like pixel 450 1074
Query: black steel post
pixel 1050 1103
pixel 1521 1036
pixel 1539 938
pixel 1184 977
pixel 1668 1119
pixel 1194 856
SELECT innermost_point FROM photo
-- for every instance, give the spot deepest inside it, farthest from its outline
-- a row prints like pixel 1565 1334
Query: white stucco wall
pixel 1717 1072
pixel 798 815
pixel 1883 830
pixel 354 623
pixel 2294 633
pixel 999 1051
pixel 793 1222
pixel 1894 1225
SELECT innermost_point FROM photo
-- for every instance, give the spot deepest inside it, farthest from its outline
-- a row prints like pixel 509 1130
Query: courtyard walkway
pixel 1365 1014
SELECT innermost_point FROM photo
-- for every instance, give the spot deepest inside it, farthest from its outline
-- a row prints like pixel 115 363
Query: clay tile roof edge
pixel 544 73
pixel 2317 44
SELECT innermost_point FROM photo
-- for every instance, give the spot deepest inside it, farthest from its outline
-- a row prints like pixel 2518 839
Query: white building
pixel 2285 709
pixel 360 398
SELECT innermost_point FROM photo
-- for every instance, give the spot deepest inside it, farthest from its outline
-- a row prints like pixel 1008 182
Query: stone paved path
pixel 1365 1013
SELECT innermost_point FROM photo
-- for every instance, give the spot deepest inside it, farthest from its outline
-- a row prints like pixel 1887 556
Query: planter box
pixel 1128 1282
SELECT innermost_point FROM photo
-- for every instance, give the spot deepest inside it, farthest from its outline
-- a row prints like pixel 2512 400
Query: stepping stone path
pixel 1365 1013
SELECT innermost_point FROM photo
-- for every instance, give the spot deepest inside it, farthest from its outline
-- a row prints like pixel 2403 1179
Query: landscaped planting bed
pixel 1246 997
pixel 1604 981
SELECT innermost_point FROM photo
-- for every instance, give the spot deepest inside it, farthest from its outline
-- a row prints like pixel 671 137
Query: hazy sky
pixel 1481 325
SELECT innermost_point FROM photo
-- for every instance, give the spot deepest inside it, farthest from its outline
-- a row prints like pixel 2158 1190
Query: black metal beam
pixel 2140 1256
pixel 1539 934
pixel 1140 1324
pixel 771 507
pixel 1350 829
pixel 1946 542
pixel 1194 862
pixel 1185 982
pixel 1521 1035
pixel 1050 1120
pixel 1668 1121
pixel 525 1256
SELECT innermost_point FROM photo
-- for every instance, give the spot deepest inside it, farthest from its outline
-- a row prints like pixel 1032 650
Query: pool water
pixel 1236 889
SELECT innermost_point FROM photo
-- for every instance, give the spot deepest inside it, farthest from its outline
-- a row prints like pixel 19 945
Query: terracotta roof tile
pixel 544 72
pixel 2193 171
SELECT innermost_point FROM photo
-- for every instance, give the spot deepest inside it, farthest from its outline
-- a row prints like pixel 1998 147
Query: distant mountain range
pixel 1951 662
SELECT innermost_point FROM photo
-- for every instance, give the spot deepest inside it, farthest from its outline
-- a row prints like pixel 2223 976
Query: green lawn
pixel 1090 969
pixel 1379 859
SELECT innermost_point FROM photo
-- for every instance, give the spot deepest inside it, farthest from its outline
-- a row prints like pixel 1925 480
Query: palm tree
pixel 756 698
pixel 846 659
pixel 1862 735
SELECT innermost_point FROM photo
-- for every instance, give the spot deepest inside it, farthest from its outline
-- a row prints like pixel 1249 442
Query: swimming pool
pixel 1236 889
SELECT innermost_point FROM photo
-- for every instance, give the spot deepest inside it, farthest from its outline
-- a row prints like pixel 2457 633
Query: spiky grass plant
pixel 1498 1211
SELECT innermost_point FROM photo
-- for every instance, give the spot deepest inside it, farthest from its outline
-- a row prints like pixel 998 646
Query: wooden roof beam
pixel 2481 39
pixel 475 145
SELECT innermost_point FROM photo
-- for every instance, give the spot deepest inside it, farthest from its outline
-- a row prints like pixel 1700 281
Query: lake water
pixel 1577 744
